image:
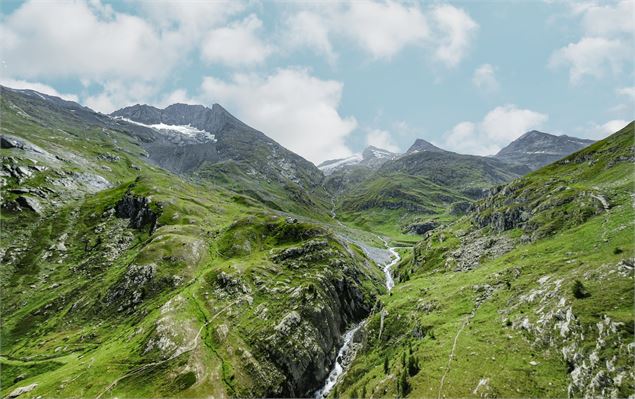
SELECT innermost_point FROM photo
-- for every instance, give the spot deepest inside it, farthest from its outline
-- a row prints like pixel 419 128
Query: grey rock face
pixel 22 390
pixel 420 228
pixel 29 203
pixel 233 141
pixel 371 159
pixel 536 149
pixel 133 287
pixel 421 145
pixel 137 209
pixel 8 142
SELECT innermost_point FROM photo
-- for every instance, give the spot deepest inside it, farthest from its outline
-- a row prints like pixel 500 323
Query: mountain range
pixel 178 252
pixel 536 149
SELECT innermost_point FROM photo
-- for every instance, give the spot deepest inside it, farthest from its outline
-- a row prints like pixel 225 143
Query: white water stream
pixel 344 356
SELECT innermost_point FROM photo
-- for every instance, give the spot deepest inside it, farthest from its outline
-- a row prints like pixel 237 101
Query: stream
pixel 346 354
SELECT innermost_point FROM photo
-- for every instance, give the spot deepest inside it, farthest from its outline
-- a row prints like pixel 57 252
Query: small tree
pixel 386 365
pixel 579 291
pixel 403 359
pixel 413 366
pixel 363 392
pixel 354 394
pixel 403 387
pixel 335 393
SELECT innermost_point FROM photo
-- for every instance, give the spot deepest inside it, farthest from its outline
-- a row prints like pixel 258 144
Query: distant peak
pixel 535 133
pixel 208 119
pixel 423 145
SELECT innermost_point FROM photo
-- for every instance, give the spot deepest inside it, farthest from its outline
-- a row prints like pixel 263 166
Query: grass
pixel 227 267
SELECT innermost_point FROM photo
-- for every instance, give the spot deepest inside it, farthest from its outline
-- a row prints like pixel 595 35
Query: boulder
pixel 30 203
pixel 138 210
pixel 8 142
pixel 21 390
pixel 420 228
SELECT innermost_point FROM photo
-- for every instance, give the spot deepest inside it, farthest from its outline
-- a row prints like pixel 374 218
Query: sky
pixel 327 79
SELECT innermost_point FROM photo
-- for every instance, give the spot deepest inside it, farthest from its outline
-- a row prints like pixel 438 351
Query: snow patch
pixel 186 130
pixel 352 160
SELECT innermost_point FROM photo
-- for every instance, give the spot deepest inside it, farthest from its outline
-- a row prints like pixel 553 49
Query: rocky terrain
pixel 420 145
pixel 121 273
pixel 536 149
pixel 529 294
pixel 178 252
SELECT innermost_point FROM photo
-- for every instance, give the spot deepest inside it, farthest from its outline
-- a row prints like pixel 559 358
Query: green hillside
pixel 122 279
pixel 531 295
pixel 122 276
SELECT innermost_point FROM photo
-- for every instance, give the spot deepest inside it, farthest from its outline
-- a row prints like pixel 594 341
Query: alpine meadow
pixel 347 199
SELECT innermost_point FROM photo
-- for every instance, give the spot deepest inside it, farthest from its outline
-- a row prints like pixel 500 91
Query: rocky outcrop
pixel 475 247
pixel 21 390
pixel 29 203
pixel 302 344
pixel 420 228
pixel 10 142
pixel 600 370
pixel 138 210
pixel 138 283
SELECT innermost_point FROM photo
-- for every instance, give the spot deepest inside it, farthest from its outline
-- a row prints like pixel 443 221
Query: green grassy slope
pixel 388 203
pixel 529 296
pixel 131 281
pixel 419 187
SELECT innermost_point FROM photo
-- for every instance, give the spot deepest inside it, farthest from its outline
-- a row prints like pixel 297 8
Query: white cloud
pixel 237 44
pixel 591 56
pixel 39 87
pixel 195 19
pixel 382 29
pixel 606 129
pixel 456 30
pixel 609 19
pixel 498 128
pixel 80 40
pixel 116 94
pixel 291 106
pixel 130 56
pixel 307 29
pixel 381 139
pixel 484 78
pixel 627 91
pixel 606 43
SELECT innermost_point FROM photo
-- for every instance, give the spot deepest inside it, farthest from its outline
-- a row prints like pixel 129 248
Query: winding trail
pixel 607 209
pixel 453 351
pixel 346 353
pixel 176 354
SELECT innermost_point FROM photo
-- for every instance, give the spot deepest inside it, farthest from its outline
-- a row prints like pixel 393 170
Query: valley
pixel 179 252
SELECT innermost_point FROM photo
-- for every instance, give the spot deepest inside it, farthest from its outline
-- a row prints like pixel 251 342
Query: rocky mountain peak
pixel 209 119
pixel 423 145
pixel 536 149
pixel 372 152
pixel 372 157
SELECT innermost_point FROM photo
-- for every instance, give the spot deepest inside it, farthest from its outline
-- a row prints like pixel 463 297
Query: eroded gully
pixel 346 353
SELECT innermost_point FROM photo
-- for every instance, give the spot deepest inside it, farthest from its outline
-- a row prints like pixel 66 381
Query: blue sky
pixel 326 79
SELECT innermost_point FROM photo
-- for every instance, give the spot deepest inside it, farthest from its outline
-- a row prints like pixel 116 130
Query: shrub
pixel 579 291
pixel 403 386
pixel 413 366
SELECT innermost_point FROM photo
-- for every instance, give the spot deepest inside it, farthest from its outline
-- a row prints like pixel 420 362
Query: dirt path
pixel 144 367
pixel 453 351
pixel 606 206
